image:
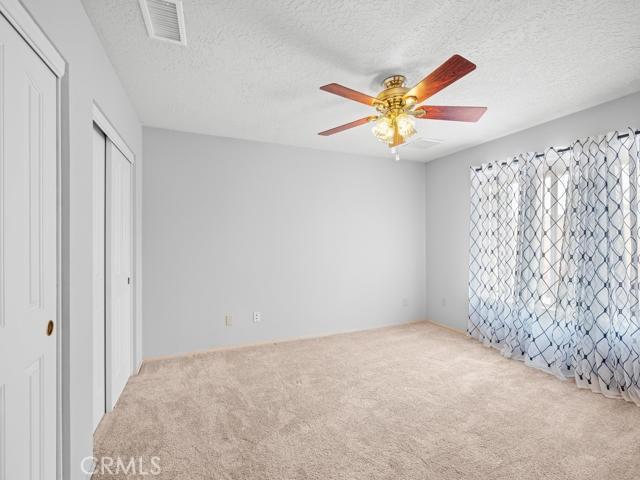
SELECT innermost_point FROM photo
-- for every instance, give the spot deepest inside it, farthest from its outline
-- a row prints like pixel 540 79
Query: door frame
pixel 99 255
pixel 100 119
pixel 22 21
pixel 112 135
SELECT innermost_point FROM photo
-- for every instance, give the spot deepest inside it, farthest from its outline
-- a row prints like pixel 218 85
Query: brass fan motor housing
pixel 392 98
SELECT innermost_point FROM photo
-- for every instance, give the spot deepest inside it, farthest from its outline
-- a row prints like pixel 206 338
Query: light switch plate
pixel 257 317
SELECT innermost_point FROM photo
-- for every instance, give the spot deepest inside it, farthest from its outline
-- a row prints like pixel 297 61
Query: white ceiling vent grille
pixel 164 20
pixel 423 143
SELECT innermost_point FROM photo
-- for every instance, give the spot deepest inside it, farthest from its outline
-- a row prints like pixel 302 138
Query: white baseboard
pixel 275 341
pixel 448 327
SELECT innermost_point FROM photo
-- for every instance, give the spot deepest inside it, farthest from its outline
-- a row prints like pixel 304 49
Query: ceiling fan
pixel 396 104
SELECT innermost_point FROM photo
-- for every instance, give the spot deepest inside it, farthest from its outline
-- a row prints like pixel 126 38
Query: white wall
pixel 447 197
pixel 89 77
pixel 318 242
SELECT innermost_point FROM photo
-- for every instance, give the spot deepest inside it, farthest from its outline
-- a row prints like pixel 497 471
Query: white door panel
pixel 119 247
pixel 28 262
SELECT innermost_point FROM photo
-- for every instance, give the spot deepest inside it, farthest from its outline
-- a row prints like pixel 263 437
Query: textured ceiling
pixel 252 69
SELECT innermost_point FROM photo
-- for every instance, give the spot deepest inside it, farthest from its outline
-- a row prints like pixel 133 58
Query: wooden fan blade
pixel 347 126
pixel 453 69
pixel 349 93
pixel 456 114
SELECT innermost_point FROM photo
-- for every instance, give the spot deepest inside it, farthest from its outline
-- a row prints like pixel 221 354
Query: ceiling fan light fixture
pixel 406 125
pixel 383 129
pixel 397 106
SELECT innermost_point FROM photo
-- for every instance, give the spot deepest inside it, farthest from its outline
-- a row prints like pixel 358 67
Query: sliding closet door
pixel 28 261
pixel 99 166
pixel 119 267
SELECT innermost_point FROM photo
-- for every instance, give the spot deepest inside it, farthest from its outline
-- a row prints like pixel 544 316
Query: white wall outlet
pixel 257 317
pixel 405 302
pixel 444 301
pixel 228 320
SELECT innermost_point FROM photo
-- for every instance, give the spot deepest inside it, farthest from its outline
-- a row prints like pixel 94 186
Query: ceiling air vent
pixel 164 20
pixel 422 143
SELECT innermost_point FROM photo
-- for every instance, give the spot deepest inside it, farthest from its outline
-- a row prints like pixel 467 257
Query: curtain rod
pixel 562 150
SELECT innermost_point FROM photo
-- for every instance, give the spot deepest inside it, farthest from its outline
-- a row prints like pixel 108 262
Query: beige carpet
pixel 409 402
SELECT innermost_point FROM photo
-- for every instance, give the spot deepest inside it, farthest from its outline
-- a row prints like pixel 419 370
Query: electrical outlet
pixel 257 317
pixel 405 302
pixel 444 301
pixel 228 320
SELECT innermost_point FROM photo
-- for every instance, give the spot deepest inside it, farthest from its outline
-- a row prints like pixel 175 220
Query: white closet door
pixel 28 262
pixel 119 246
pixel 99 165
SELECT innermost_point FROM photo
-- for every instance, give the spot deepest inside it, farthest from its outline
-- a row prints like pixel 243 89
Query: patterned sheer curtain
pixel 554 261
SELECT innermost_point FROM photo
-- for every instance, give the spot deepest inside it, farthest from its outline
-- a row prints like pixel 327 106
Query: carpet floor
pixel 410 402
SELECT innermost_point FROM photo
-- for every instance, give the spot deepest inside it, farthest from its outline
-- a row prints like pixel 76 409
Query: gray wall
pixel 447 196
pixel 90 77
pixel 318 242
